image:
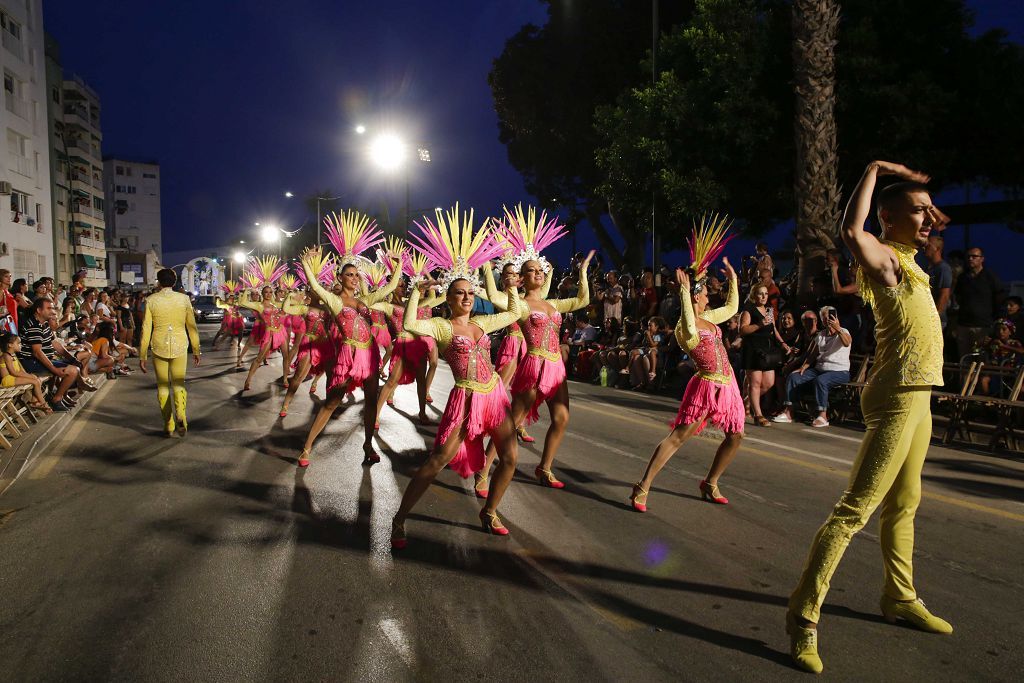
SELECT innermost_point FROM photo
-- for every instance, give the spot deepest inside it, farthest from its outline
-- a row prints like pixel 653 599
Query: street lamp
pixel 360 129
pixel 389 153
pixel 289 195
pixel 239 258
pixel 319 218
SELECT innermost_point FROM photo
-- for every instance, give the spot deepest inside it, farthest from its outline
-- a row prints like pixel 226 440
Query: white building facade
pixel 26 226
pixel 133 205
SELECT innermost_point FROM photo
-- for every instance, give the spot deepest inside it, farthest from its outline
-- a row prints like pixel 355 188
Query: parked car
pixel 206 310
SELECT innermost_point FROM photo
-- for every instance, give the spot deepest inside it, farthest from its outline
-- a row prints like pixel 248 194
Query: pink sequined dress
pixel 356 357
pixel 379 329
pixel 296 325
pixel 512 349
pixel 259 331
pixel 542 367
pixel 275 333
pixel 314 343
pixel 411 349
pixel 711 395
pixel 233 324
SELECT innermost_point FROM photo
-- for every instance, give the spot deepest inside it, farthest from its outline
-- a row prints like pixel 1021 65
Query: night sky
pixel 240 101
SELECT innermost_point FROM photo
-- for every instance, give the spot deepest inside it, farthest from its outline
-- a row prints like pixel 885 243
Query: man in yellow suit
pixel 896 404
pixel 169 327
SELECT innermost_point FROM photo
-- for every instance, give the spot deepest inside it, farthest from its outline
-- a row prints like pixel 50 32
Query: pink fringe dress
pixel 542 367
pixel 296 326
pixel 315 343
pixel 513 347
pixel 275 333
pixel 411 349
pixel 356 356
pixel 489 405
pixel 711 395
pixel 379 330
pixel 259 331
pixel 233 324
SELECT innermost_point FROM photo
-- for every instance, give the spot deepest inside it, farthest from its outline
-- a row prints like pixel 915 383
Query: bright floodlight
pixel 424 154
pixel 269 233
pixel 360 129
pixel 289 195
pixel 238 257
pixel 387 152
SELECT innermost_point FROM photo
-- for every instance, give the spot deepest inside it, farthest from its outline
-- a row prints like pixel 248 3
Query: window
pixel 25 261
pixel 39 213
pixel 119 170
pixel 9 83
pixel 63 263
pixel 97 203
pixel 62 196
pixel 10 26
pixel 42 264
pixel 55 94
pixel 149 175
pixel 19 201
pixel 128 171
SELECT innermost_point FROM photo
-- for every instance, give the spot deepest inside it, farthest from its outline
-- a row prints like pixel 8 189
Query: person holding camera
pixel 827 365
pixel 763 349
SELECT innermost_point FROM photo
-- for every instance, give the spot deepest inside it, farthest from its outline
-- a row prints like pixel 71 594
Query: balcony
pixel 83 148
pixel 75 116
pixel 94 277
pixel 20 164
pixel 12 44
pixel 17 107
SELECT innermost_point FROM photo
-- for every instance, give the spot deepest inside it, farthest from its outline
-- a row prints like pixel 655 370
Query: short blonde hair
pixel 752 294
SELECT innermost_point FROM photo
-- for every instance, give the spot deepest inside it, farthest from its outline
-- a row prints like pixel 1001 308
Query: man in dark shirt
pixel 940 275
pixel 978 294
pixel 38 355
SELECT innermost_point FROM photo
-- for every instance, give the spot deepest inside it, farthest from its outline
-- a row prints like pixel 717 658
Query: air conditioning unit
pixel 4 249
pixel 5 187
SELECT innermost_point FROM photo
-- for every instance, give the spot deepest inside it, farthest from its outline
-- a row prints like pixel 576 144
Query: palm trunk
pixel 815 25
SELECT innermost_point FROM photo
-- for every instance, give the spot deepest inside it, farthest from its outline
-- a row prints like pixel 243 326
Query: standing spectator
pixel 648 295
pixel 670 306
pixel 940 275
pixel 761 354
pixel 979 292
pixel 611 297
pixel 717 293
pixel 38 355
pixel 774 293
pixel 20 291
pixel 827 365
pixel 764 259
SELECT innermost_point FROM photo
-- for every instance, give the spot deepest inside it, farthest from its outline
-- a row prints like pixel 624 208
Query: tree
pixel 708 135
pixel 815 27
pixel 547 84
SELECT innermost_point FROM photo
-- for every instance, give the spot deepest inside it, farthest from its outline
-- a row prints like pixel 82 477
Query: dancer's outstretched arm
pixel 333 303
pixel 686 328
pixel 292 307
pixel 438 328
pixel 717 316
pixel 246 302
pixel 496 321
pixel 582 298
pixel 491 292
pixel 385 291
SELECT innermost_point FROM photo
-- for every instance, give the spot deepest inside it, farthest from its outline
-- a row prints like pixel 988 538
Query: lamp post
pixel 270 234
pixel 239 258
pixel 388 152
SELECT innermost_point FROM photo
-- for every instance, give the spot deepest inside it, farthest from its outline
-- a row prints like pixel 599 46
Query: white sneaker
pixel 819 422
pixel 783 418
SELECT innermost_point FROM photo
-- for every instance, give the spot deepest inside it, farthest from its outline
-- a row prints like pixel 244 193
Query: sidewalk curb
pixel 34 443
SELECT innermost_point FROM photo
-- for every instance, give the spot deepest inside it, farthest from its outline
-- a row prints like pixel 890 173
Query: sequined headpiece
pixel 265 270
pixel 376 274
pixel 325 275
pixel 352 233
pixel 230 287
pixel 524 236
pixel 417 267
pixel 289 281
pixel 706 244
pixel 454 247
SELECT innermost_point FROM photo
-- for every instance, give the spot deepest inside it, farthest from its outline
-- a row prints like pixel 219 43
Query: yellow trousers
pixel 170 380
pixel 887 472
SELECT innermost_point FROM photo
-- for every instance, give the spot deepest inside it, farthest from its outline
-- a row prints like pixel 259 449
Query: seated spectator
pixel 827 365
pixel 615 356
pixel 102 345
pixel 643 364
pixel 1000 350
pixel 1013 305
pixel 12 374
pixel 38 355
pixel 585 332
pixel 647 295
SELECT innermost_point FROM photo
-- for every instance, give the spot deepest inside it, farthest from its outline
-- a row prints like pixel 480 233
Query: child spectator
pixel 14 375
pixel 1000 350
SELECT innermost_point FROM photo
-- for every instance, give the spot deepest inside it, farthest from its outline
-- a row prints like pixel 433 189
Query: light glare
pixel 388 152
pixel 269 234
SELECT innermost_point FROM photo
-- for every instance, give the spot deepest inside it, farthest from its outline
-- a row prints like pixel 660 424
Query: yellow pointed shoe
pixel 914 613
pixel 803 646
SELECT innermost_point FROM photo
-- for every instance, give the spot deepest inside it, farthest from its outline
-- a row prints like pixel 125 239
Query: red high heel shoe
pixel 398 539
pixel 492 524
pixel 283 413
pixel 547 478
pixel 430 399
pixel 480 487
pixel 523 436
pixel 711 492
pixel 303 461
pixel 634 498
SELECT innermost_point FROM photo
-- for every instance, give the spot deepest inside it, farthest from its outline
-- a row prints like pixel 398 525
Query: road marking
pixel 821 432
pixel 958 502
pixel 801 451
pixel 48 462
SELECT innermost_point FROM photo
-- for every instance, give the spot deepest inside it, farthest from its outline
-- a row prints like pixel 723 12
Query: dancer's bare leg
pixel 256 362
pixel 388 390
pixel 429 470
pixel 422 382
pixel 295 381
pixel 520 407
pixel 666 449
pixel 723 456
pixel 558 408
pixel 431 369
pixel 285 360
pixel 334 399
pixel 504 438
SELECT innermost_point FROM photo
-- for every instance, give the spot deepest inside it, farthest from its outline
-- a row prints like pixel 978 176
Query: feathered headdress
pixel 524 236
pixel 376 275
pixel 706 245
pixel 352 233
pixel 248 281
pixel 289 281
pixel 325 276
pixel 453 246
pixel 417 266
pixel 230 287
pixel 321 263
pixel 266 270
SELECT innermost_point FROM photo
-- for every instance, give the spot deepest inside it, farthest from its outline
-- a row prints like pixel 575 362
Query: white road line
pixel 794 449
pixel 821 432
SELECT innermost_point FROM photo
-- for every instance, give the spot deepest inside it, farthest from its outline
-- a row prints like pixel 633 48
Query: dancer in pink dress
pixel 314 350
pixel 356 357
pixel 233 324
pixel 540 376
pixel 294 325
pixel 275 336
pixel 249 283
pixel 711 395
pixel 374 278
pixel 410 354
pixel 477 405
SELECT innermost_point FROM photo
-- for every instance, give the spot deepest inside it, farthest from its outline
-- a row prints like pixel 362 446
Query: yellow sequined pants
pixel 170 379
pixel 887 472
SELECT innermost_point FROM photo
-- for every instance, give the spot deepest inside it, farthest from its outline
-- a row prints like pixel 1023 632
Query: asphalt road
pixel 128 556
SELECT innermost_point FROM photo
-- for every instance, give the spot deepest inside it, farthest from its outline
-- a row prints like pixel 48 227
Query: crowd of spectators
pixel 59 338
pixel 786 349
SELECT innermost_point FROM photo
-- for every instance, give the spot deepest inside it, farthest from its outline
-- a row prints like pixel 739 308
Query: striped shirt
pixel 34 332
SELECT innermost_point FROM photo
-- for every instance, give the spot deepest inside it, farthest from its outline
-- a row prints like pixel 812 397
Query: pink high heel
pixel 634 498
pixel 492 524
pixel 711 492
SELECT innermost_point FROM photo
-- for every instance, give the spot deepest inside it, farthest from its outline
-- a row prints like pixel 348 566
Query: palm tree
pixel 815 25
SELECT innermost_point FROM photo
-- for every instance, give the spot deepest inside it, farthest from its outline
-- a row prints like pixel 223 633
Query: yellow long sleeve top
pixel 169 326
pixel 441 329
pixel 686 329
pixel 581 300
pixel 496 297
pixel 335 303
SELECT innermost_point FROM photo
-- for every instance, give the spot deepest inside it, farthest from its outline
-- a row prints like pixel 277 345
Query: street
pixel 128 556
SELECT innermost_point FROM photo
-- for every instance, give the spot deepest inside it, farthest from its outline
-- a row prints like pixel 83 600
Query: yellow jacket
pixel 169 325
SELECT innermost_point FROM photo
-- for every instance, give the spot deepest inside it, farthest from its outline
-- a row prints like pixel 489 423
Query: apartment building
pixel 133 204
pixel 26 228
